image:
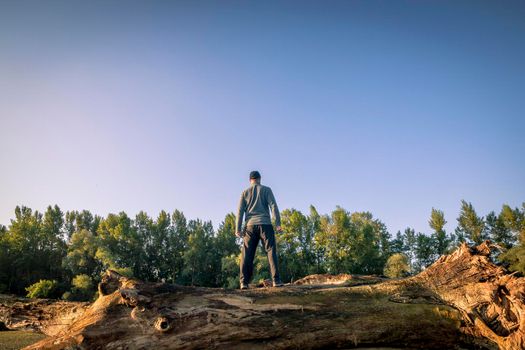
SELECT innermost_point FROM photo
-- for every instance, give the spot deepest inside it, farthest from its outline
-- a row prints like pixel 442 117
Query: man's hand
pixel 238 234
pixel 279 229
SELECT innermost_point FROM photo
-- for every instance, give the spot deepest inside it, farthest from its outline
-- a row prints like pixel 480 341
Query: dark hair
pixel 255 175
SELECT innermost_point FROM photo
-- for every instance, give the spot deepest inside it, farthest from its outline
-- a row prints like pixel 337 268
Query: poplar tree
pixel 440 239
pixel 470 225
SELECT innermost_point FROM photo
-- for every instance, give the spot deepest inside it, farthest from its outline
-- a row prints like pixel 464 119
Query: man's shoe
pixel 278 284
pixel 244 286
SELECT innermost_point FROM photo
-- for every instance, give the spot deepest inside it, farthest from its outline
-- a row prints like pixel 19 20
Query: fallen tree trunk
pixel 41 315
pixel 462 301
pixel 491 300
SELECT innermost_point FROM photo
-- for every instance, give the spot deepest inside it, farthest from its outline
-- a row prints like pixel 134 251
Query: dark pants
pixel 254 233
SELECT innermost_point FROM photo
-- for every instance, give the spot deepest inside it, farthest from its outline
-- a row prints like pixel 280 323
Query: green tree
pixel 397 245
pixel 118 243
pixel 514 221
pixel 470 225
pixel 397 266
pixel 76 221
pixel 515 257
pixel 497 231
pixel 292 242
pixel 83 289
pixel 368 250
pixel 178 240
pixel 230 271
pixel 261 267
pixel 81 257
pixel 23 239
pixel 200 264
pixel 147 258
pixel 424 251
pixel 334 237
pixel 160 252
pixel 355 242
pixel 318 251
pixel 33 248
pixel 227 250
pixel 53 247
pixel 440 239
pixel 409 246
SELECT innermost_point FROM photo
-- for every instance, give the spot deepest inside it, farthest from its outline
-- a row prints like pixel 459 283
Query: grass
pixel 14 340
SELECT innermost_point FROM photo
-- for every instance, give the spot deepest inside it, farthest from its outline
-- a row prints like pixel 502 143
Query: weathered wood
pixel 462 301
pixel 491 300
pixel 41 315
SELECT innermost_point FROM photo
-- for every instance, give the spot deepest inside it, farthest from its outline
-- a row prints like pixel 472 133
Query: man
pixel 255 203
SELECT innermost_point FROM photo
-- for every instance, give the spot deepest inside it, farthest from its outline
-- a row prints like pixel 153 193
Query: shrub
pixel 83 282
pixel 82 289
pixel 397 266
pixel 42 289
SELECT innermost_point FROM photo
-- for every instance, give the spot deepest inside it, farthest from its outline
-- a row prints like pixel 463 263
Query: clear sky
pixel 392 107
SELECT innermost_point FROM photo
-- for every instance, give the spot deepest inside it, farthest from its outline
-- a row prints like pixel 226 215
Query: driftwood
pixel 462 301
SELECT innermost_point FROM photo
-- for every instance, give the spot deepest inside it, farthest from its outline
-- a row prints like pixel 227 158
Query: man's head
pixel 255 177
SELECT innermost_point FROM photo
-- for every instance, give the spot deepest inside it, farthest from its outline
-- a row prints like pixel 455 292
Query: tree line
pixel 57 254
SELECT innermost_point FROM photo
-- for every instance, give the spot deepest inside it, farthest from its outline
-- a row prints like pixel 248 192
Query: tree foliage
pixel 439 236
pixel 470 225
pixel 514 220
pixel 397 266
pixel 42 289
pixel 82 289
pixel 75 247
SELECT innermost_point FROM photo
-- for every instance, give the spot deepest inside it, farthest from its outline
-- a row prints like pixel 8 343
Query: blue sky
pixel 392 107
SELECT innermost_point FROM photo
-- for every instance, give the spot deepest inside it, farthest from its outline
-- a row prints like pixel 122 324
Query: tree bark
pixel 491 301
pixel 41 315
pixel 462 301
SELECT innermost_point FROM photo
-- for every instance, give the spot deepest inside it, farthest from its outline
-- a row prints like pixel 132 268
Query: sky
pixel 392 107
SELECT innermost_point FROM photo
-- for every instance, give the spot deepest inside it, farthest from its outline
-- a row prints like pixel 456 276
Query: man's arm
pixel 240 215
pixel 275 210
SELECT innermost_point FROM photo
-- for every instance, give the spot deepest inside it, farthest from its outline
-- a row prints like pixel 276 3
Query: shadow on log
pixel 462 301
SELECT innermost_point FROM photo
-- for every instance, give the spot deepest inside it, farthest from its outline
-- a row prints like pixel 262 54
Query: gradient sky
pixel 392 107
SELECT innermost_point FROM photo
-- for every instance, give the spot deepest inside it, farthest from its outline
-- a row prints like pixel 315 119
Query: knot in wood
pixel 162 324
pixel 110 282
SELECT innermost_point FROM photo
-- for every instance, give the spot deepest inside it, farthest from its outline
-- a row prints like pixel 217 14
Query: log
pixel 39 315
pixel 491 301
pixel 462 301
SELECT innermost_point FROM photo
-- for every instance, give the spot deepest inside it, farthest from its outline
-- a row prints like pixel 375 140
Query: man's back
pixel 255 203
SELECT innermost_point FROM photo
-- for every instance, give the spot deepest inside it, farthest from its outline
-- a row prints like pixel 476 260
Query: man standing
pixel 255 203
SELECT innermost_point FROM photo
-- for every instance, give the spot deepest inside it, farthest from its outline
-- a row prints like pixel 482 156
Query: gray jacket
pixel 255 202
